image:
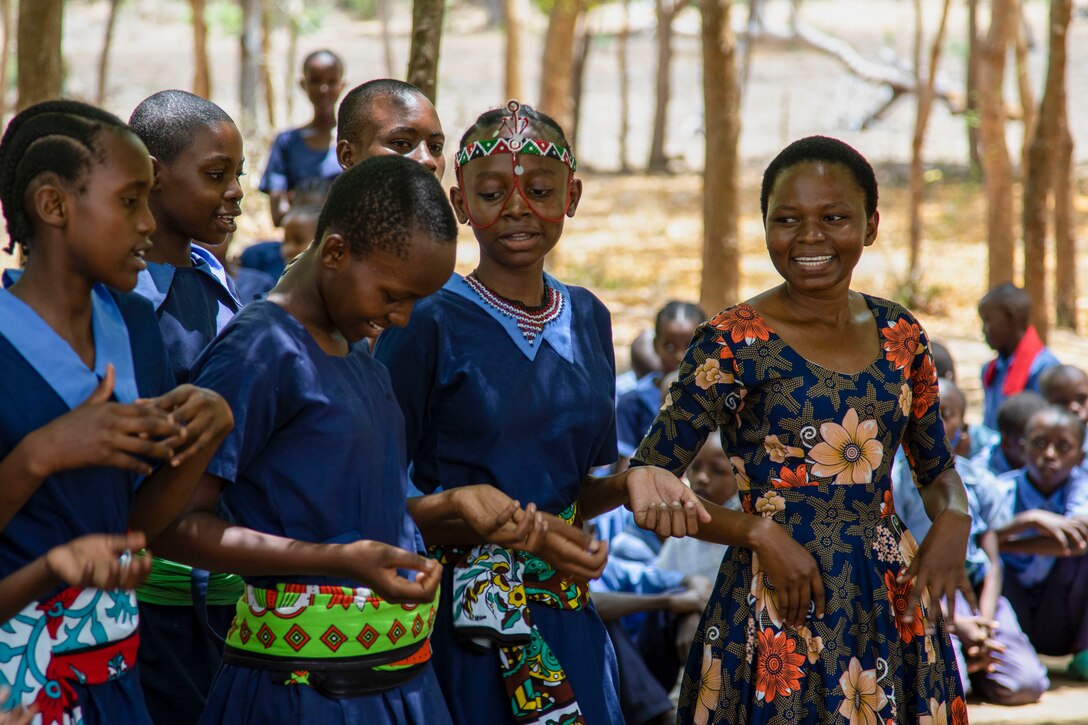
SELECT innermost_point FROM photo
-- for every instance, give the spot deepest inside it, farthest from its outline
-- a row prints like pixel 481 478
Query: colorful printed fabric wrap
pixel 342 641
pixel 516 145
pixel 492 590
pixel 89 636
pixel 170 584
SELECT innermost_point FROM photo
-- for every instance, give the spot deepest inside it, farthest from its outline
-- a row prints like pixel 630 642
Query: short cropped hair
pixel 1016 410
pixel 311 57
pixel 677 311
pixel 816 149
pixel 168 121
pixel 1012 299
pixel 381 203
pixel 354 113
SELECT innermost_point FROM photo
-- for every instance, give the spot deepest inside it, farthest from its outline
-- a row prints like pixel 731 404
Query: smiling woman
pixel 809 402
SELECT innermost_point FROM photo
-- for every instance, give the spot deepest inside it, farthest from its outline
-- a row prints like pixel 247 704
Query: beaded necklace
pixel 530 320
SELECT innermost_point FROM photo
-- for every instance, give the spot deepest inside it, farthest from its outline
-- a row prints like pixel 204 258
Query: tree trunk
pixel 426 42
pixel 38 51
pixel 387 36
pixel 104 59
pixel 250 66
pixel 666 13
pixel 5 48
pixel 581 60
pixel 1043 155
pixel 292 16
pixel 557 67
pixel 512 67
pixel 754 29
pixel 625 89
pixel 1023 87
pixel 720 285
pixel 266 62
pixel 971 110
pixel 996 167
pixel 1065 254
pixel 202 78
pixel 921 121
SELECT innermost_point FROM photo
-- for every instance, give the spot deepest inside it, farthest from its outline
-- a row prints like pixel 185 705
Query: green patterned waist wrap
pixel 343 641
pixel 170 584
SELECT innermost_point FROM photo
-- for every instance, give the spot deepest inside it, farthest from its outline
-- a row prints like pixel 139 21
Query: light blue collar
pixel 153 283
pixel 58 363
pixel 557 333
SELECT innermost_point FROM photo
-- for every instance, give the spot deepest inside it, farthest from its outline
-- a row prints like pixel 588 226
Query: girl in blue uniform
pixel 506 378
pixel 314 478
pixel 87 403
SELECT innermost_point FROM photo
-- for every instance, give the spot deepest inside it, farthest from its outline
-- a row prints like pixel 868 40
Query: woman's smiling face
pixel 816 225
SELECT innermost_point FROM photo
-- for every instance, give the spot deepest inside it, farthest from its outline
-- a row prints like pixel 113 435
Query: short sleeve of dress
pixel 924 440
pixel 703 398
pixel 274 177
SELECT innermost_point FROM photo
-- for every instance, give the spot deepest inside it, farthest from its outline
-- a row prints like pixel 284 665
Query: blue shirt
pixel 635 413
pixel 1070 499
pixel 993 395
pixel 290 161
pixel 993 459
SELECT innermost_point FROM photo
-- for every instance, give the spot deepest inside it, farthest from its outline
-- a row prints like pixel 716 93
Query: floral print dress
pixel 812 449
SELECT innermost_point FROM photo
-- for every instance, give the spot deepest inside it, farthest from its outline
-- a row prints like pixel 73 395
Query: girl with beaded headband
pixel 88 411
pixel 506 378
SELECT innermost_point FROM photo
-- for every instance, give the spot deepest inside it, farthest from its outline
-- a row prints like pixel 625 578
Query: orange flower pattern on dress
pixel 959 711
pixel 899 596
pixel 710 373
pixel 906 399
pixel 793 479
pixel 710 686
pixel 778 665
pixel 743 482
pixel 923 383
pixel 938 713
pixel 766 599
pixel 770 503
pixel 813 644
pixel 887 507
pixel 850 452
pixel 902 343
pixel 779 451
pixel 743 324
pixel 863 699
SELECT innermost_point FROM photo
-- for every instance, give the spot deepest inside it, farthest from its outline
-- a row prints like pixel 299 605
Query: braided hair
pixel 55 137
pixel 489 120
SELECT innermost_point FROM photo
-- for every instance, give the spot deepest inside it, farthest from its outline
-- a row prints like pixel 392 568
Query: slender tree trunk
pixel 720 285
pixel 202 79
pixel 625 88
pixel 1023 87
pixel 556 78
pixel 5 48
pixel 387 36
pixel 755 27
pixel 250 66
pixel 426 43
pixel 996 167
pixel 921 122
pixel 511 10
pixel 1043 156
pixel 971 110
pixel 666 14
pixel 292 16
pixel 104 58
pixel 581 60
pixel 1065 254
pixel 38 49
pixel 266 62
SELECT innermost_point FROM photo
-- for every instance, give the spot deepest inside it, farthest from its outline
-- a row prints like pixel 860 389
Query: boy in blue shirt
pixel 1006 454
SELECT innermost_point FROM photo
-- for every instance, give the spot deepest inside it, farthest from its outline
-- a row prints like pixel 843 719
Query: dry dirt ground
pixel 636 239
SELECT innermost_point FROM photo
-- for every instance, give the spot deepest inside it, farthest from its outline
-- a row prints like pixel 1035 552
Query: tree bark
pixel 666 11
pixel 557 67
pixel 1065 254
pixel 266 62
pixel 971 89
pixel 996 167
pixel 292 16
pixel 104 58
pixel 1023 87
pixel 250 65
pixel 581 60
pixel 1043 156
pixel 511 10
pixel 720 285
pixel 38 50
pixel 921 122
pixel 426 43
pixel 625 89
pixel 387 36
pixel 202 78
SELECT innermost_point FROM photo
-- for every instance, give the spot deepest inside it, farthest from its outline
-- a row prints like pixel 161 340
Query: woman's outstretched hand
pixel 662 503
pixel 791 570
pixel 203 415
pixel 376 565
pixel 939 566
pixel 103 561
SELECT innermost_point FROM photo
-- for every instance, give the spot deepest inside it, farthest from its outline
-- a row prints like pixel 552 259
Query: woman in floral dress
pixel 825 609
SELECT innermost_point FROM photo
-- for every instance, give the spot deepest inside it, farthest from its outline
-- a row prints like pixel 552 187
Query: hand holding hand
pixel 572 552
pixel 662 503
pixel 103 561
pixel 939 566
pixel 499 519
pixel 375 565
pixel 203 415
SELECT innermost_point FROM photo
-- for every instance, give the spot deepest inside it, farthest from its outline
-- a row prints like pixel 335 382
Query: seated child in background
pixel 1045 538
pixel 995 657
pixel 1067 386
pixel 644 361
pixel 977 436
pixel 299 227
pixel 1021 355
pixel 636 409
pixel 308 151
pixel 1012 418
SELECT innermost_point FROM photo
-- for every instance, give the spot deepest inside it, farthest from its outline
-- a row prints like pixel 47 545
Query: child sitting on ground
pixel 1021 355
pixel 1006 454
pixel 995 656
pixel 1046 536
pixel 1067 386
pixel 644 361
pixel 307 151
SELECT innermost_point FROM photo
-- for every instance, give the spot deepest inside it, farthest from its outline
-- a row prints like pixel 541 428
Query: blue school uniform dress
pixel 316 454
pixel 43 379
pixel 812 449
pixel 483 404
pixel 290 161
pixel 182 640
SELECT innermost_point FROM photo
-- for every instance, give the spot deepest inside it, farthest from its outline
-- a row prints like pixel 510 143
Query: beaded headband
pixel 516 143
